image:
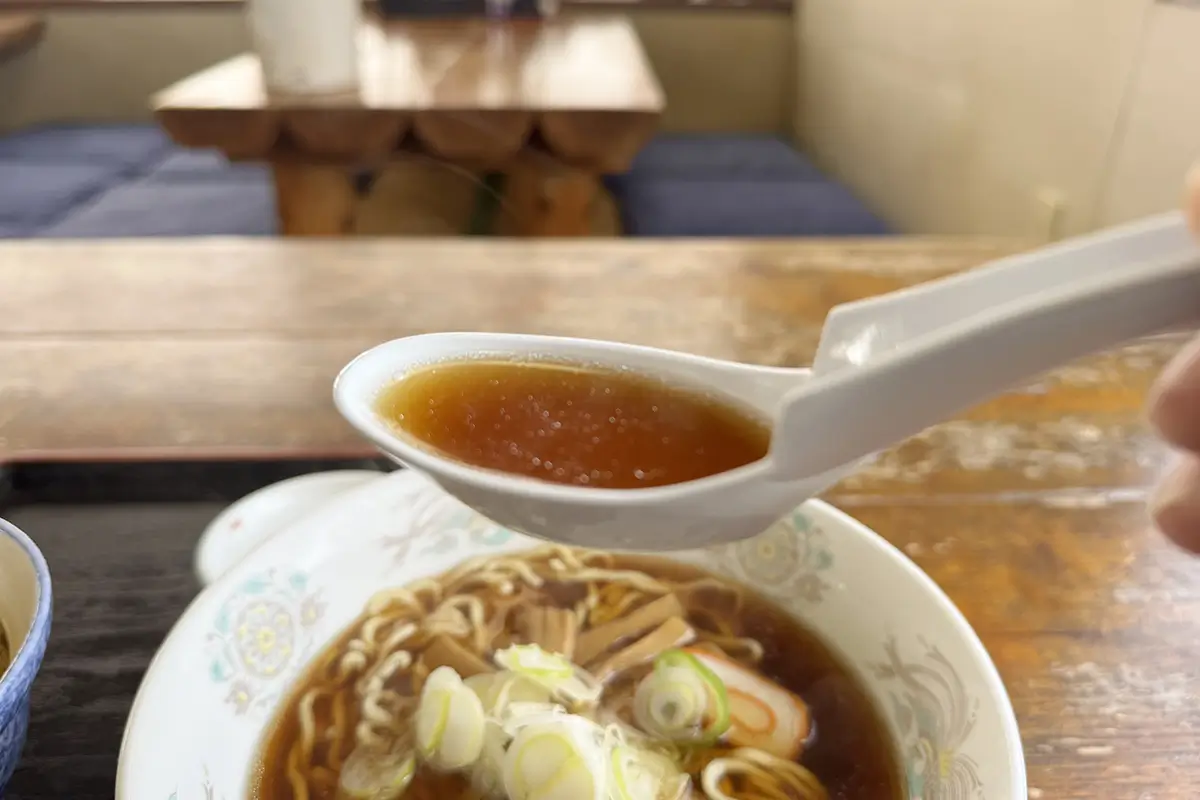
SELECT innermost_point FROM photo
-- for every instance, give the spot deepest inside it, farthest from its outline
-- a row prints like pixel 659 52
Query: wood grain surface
pixel 534 98
pixel 1028 510
pixel 228 347
pixel 467 90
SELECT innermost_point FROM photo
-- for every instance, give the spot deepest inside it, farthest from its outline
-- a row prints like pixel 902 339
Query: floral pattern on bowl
pixel 199 725
pixel 935 714
pixel 205 790
pixel 793 556
pixel 257 640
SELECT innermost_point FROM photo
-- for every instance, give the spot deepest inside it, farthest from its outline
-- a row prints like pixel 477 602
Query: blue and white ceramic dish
pixel 212 690
pixel 25 605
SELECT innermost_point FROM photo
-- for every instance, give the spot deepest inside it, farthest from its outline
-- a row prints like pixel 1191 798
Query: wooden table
pixel 553 104
pixel 1028 510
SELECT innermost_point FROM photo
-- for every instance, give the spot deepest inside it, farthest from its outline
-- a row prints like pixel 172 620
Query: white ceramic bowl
pixel 258 516
pixel 214 687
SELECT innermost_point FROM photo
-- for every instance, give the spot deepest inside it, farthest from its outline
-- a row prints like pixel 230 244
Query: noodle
pixel 360 694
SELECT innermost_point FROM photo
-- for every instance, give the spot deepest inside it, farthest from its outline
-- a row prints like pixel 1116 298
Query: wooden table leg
pixel 551 200
pixel 314 200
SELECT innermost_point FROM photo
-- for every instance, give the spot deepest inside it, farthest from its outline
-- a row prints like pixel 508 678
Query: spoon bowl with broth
pixel 616 446
pixel 584 442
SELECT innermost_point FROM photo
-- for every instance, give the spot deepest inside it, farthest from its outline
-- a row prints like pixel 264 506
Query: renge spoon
pixel 886 368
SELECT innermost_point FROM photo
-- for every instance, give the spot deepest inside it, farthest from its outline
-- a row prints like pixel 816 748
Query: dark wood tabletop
pixel 1028 510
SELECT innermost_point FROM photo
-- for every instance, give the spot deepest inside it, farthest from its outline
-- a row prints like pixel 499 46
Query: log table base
pixel 552 104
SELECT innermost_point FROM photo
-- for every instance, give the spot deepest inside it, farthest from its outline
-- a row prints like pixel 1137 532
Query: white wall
pixel 969 115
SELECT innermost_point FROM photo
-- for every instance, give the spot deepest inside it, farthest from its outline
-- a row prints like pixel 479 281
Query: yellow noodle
pixel 308 722
pixel 337 730
pixel 296 778
pixel 738 648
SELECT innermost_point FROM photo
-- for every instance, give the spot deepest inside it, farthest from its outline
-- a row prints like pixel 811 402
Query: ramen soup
pixel 565 674
pixel 571 424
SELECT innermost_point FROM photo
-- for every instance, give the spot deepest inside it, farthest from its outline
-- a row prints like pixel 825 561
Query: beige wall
pixel 721 71
pixel 1031 117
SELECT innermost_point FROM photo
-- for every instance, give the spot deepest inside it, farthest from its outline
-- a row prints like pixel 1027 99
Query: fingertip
pixel 1191 198
pixel 1175 505
pixel 1174 400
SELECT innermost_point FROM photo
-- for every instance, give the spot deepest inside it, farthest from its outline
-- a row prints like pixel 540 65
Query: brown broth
pixel 850 752
pixel 574 425
pixel 5 655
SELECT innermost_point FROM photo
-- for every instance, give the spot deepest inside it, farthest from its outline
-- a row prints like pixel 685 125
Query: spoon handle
pixel 994 334
pixel 866 329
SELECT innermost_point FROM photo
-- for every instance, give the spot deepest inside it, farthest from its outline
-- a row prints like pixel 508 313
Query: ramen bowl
pixel 211 698
pixel 25 605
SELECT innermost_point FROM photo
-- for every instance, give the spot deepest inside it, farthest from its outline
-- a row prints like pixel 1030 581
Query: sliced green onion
pixel 639 774
pixel 534 662
pixel 556 760
pixel 433 713
pixel 496 690
pixel 521 715
pixel 682 700
pixel 449 722
pixel 487 774
pixel 556 673
pixel 367 775
pixel 632 777
pixel 484 685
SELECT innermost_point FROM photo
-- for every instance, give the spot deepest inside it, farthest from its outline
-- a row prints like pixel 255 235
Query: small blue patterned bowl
pixel 25 603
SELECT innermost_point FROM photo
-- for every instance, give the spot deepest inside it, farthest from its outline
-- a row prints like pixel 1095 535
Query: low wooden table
pixel 1028 510
pixel 552 104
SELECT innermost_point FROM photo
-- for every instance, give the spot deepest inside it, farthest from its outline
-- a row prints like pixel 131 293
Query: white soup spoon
pixel 886 368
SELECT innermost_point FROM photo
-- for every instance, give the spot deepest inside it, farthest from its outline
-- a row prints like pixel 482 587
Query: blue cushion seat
pixel 207 165
pixel 35 193
pixel 744 208
pixel 129 180
pixel 125 180
pixel 123 146
pixel 126 146
pixel 720 155
pixel 170 208
pixel 15 231
pixel 721 185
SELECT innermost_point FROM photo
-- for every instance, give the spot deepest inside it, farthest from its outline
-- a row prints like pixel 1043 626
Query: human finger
pixel 1175 399
pixel 1175 505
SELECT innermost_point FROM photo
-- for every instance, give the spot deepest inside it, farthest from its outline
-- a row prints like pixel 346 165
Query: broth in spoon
pixel 572 424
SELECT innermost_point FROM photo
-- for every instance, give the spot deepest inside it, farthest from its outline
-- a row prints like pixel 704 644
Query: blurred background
pixel 1037 118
